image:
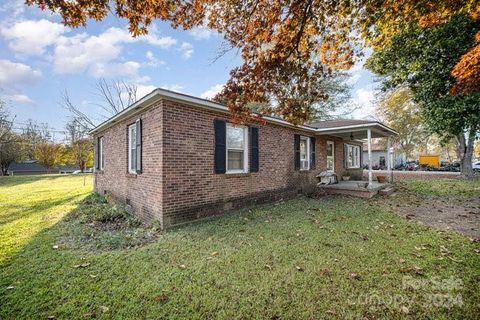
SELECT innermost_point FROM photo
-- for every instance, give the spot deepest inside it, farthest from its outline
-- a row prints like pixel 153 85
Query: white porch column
pixel 389 161
pixel 369 137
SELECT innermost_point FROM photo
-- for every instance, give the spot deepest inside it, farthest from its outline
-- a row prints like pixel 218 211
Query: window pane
pixel 133 155
pixel 303 149
pixel 133 137
pixel 235 138
pixel 235 160
pixel 329 149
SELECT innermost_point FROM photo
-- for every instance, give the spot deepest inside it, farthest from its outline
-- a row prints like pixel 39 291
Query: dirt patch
pixel 460 215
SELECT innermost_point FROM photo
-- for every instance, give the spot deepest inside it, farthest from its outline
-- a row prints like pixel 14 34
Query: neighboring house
pixel 33 167
pixel 379 157
pixel 175 158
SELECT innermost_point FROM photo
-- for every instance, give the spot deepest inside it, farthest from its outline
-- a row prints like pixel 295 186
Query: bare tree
pixel 34 134
pixel 114 96
pixel 75 131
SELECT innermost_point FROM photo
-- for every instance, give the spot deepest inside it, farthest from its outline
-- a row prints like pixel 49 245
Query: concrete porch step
pixel 387 191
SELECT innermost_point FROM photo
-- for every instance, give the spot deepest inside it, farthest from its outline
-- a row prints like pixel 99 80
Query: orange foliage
pixel 467 71
pixel 287 46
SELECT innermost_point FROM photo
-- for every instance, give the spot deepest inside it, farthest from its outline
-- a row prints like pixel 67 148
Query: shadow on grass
pixel 35 207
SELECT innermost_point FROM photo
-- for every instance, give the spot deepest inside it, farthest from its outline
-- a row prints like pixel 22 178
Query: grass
pixel 302 259
pixel 30 204
pixel 449 188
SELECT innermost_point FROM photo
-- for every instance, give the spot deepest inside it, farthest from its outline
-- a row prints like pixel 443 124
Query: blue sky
pixel 40 59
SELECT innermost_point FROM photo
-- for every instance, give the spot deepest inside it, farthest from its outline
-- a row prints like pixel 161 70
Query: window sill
pixel 131 175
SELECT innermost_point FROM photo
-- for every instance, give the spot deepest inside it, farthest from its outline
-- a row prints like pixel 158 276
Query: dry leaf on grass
pixel 215 253
pixel 299 268
pixel 354 276
pixel 83 265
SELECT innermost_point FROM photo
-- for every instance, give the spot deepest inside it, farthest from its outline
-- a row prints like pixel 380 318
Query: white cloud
pixel 129 68
pixel 200 33
pixel 143 90
pixel 186 49
pixel 19 98
pixel 172 87
pixel 153 61
pixel 31 37
pixel 98 55
pixel 365 100
pixel 13 74
pixel 212 92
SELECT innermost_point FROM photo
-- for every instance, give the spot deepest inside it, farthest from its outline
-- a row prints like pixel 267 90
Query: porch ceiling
pixel 359 132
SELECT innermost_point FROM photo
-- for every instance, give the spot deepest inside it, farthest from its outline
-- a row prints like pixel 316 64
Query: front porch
pixel 353 132
pixel 356 188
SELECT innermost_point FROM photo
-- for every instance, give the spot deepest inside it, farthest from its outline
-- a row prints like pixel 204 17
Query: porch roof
pixel 352 129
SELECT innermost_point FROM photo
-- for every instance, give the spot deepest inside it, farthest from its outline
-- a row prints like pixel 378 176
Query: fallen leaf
pixel 299 268
pixel 55 247
pixel 404 310
pixel 93 276
pixel 83 265
pixel 269 267
pixel 182 266
pixel 215 253
pixel 354 276
pixel 104 309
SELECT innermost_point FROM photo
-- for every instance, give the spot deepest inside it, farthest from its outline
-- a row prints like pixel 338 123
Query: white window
pixel 237 149
pixel 132 148
pixel 353 156
pixel 100 154
pixel 304 153
pixel 330 156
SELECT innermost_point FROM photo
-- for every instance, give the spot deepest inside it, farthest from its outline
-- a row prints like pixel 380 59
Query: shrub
pixel 95 208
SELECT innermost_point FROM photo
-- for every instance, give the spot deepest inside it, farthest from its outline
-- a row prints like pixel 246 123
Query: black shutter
pixel 97 154
pixel 345 155
pixel 312 153
pixel 220 145
pixel 254 160
pixel 138 160
pixel 297 151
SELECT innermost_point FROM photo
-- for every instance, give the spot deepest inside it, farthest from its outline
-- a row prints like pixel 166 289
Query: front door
pixel 330 156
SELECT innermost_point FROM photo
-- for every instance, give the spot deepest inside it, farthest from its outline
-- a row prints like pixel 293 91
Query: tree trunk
pixel 465 153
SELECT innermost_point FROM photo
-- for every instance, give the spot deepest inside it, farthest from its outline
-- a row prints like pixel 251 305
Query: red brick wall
pixel 181 185
pixel 143 192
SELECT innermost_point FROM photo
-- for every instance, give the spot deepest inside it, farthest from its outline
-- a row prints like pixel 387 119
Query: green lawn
pixel 306 258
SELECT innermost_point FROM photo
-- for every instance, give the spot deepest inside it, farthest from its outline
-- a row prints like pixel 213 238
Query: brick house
pixel 176 158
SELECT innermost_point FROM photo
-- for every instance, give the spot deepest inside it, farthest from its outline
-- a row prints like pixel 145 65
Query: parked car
pixel 476 166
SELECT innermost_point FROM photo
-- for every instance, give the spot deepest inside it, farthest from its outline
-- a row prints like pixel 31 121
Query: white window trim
pixel 352 146
pixel 309 156
pixel 129 160
pixel 332 156
pixel 245 150
pixel 100 151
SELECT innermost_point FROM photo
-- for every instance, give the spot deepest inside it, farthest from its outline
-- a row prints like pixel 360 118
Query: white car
pixel 476 166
